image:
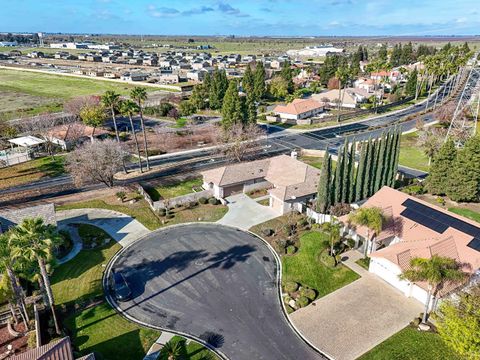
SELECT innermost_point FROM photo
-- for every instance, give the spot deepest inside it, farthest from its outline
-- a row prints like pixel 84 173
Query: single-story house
pixel 349 98
pixel 66 136
pixel 415 228
pixel 13 217
pixel 299 109
pixel 133 77
pixel 291 183
pixel 60 349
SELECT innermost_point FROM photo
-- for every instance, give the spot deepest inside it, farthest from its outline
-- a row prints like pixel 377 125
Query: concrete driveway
pixel 357 317
pixel 214 283
pixel 122 228
pixel 244 212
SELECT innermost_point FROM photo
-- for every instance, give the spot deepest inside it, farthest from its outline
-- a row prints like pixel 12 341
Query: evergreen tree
pixel 345 173
pixel 373 169
pixel 323 194
pixel 360 177
pixel 259 81
pixel 248 81
pixel 407 54
pixel 287 75
pixel 382 54
pixel 380 164
pixel 395 158
pixel 464 179
pixel 218 88
pixel 351 173
pixel 199 96
pixel 368 169
pixel 207 82
pixel 389 159
pixel 395 58
pixel 232 109
pixel 338 178
pixel 442 165
pixel 251 109
pixel 411 85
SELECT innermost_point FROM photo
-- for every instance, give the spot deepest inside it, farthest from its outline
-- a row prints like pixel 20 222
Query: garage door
pixel 234 189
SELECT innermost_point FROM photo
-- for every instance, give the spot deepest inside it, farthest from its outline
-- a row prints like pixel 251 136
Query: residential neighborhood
pixel 239 180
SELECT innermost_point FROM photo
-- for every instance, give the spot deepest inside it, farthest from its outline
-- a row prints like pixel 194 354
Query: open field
pixel 411 155
pixel 29 93
pixel 411 344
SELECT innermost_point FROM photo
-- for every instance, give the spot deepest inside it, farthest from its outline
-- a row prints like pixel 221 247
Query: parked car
pixel 119 286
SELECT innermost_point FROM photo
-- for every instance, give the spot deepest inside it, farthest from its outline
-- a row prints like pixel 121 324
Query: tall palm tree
pixel 435 271
pixel 342 74
pixel 34 240
pixel 172 350
pixel 139 94
pixel 111 100
pixel 7 263
pixel 128 108
pixel 370 217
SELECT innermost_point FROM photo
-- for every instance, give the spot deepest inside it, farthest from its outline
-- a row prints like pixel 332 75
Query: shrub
pixel 416 189
pixel 302 223
pixel 351 243
pixel 281 245
pixel 289 309
pixel 32 340
pixel 162 212
pixel 440 200
pixel 416 321
pixel 213 201
pixel 267 232
pixel 291 250
pixel 123 136
pixel 121 195
pixel 290 286
pixel 287 299
pixel 170 216
pixel 302 301
pixel 203 200
pixel 308 293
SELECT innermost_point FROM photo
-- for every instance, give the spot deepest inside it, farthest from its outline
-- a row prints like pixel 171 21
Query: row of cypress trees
pixel 377 166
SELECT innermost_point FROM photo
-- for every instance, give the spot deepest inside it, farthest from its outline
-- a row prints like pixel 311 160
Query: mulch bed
pixel 19 344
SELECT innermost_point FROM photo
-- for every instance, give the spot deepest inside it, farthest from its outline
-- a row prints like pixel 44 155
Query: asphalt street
pixel 215 283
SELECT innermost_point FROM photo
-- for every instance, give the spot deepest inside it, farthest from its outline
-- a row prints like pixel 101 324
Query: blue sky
pixel 245 17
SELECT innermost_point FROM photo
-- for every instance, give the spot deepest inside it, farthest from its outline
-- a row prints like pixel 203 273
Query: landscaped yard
pixel 315 161
pixel 92 236
pixel 364 262
pixel 190 351
pixel 466 213
pixel 173 190
pixel 411 344
pixel 411 155
pixel 31 170
pixel 306 268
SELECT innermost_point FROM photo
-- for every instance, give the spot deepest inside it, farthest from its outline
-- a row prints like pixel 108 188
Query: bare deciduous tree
pixel 239 140
pixel 430 140
pixel 75 105
pixel 96 162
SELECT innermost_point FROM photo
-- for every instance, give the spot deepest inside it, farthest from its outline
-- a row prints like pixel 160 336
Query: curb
pixel 278 263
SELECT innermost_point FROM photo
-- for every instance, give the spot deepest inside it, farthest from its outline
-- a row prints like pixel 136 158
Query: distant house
pixel 67 136
pixel 365 84
pixel 291 183
pixel 299 109
pixel 12 217
pixel 415 228
pixel 350 97
pixel 134 77
pixel 55 350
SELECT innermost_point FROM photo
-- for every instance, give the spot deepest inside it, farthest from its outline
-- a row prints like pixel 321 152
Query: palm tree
pixel 333 230
pixel 111 100
pixel 342 74
pixel 128 108
pixel 34 240
pixel 370 217
pixel 7 263
pixel 435 271
pixel 172 350
pixel 139 94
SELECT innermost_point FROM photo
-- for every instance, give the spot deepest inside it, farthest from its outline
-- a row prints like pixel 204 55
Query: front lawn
pixel 92 236
pixel 411 344
pixel 306 268
pixel 173 190
pixel 411 155
pixel 31 171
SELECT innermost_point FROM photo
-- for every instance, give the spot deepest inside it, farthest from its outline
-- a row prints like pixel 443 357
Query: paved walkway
pixel 357 317
pixel 77 243
pixel 244 212
pixel 122 228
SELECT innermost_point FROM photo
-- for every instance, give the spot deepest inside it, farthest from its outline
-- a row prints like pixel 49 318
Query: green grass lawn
pixel 305 267
pixel 92 236
pixel 411 344
pixel 411 155
pixel 31 170
pixel 315 161
pixel 191 351
pixel 173 190
pixel 466 212
pixel 364 262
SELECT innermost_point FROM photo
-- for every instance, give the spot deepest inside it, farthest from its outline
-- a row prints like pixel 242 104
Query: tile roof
pixel 12 217
pixel 55 350
pixel 298 106
pixel 74 131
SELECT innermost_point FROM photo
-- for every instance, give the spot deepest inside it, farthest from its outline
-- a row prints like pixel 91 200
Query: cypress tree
pixel 368 169
pixel 373 169
pixel 287 75
pixel 443 163
pixel 389 157
pixel 345 173
pixel 232 109
pixel 360 178
pixel 394 164
pixel 248 81
pixel 259 81
pixel 251 110
pixel 351 173
pixel 464 179
pixel 323 192
pixel 338 177
pixel 380 164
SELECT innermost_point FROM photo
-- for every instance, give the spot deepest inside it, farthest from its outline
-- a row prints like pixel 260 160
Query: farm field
pixel 29 93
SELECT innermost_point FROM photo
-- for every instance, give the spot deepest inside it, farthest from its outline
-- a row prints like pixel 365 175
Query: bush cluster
pixel 290 286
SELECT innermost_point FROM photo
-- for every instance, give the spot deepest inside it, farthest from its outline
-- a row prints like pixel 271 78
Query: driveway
pixel 122 228
pixel 357 317
pixel 244 212
pixel 214 283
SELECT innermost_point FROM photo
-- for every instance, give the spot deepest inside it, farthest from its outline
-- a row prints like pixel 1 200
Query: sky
pixel 243 17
